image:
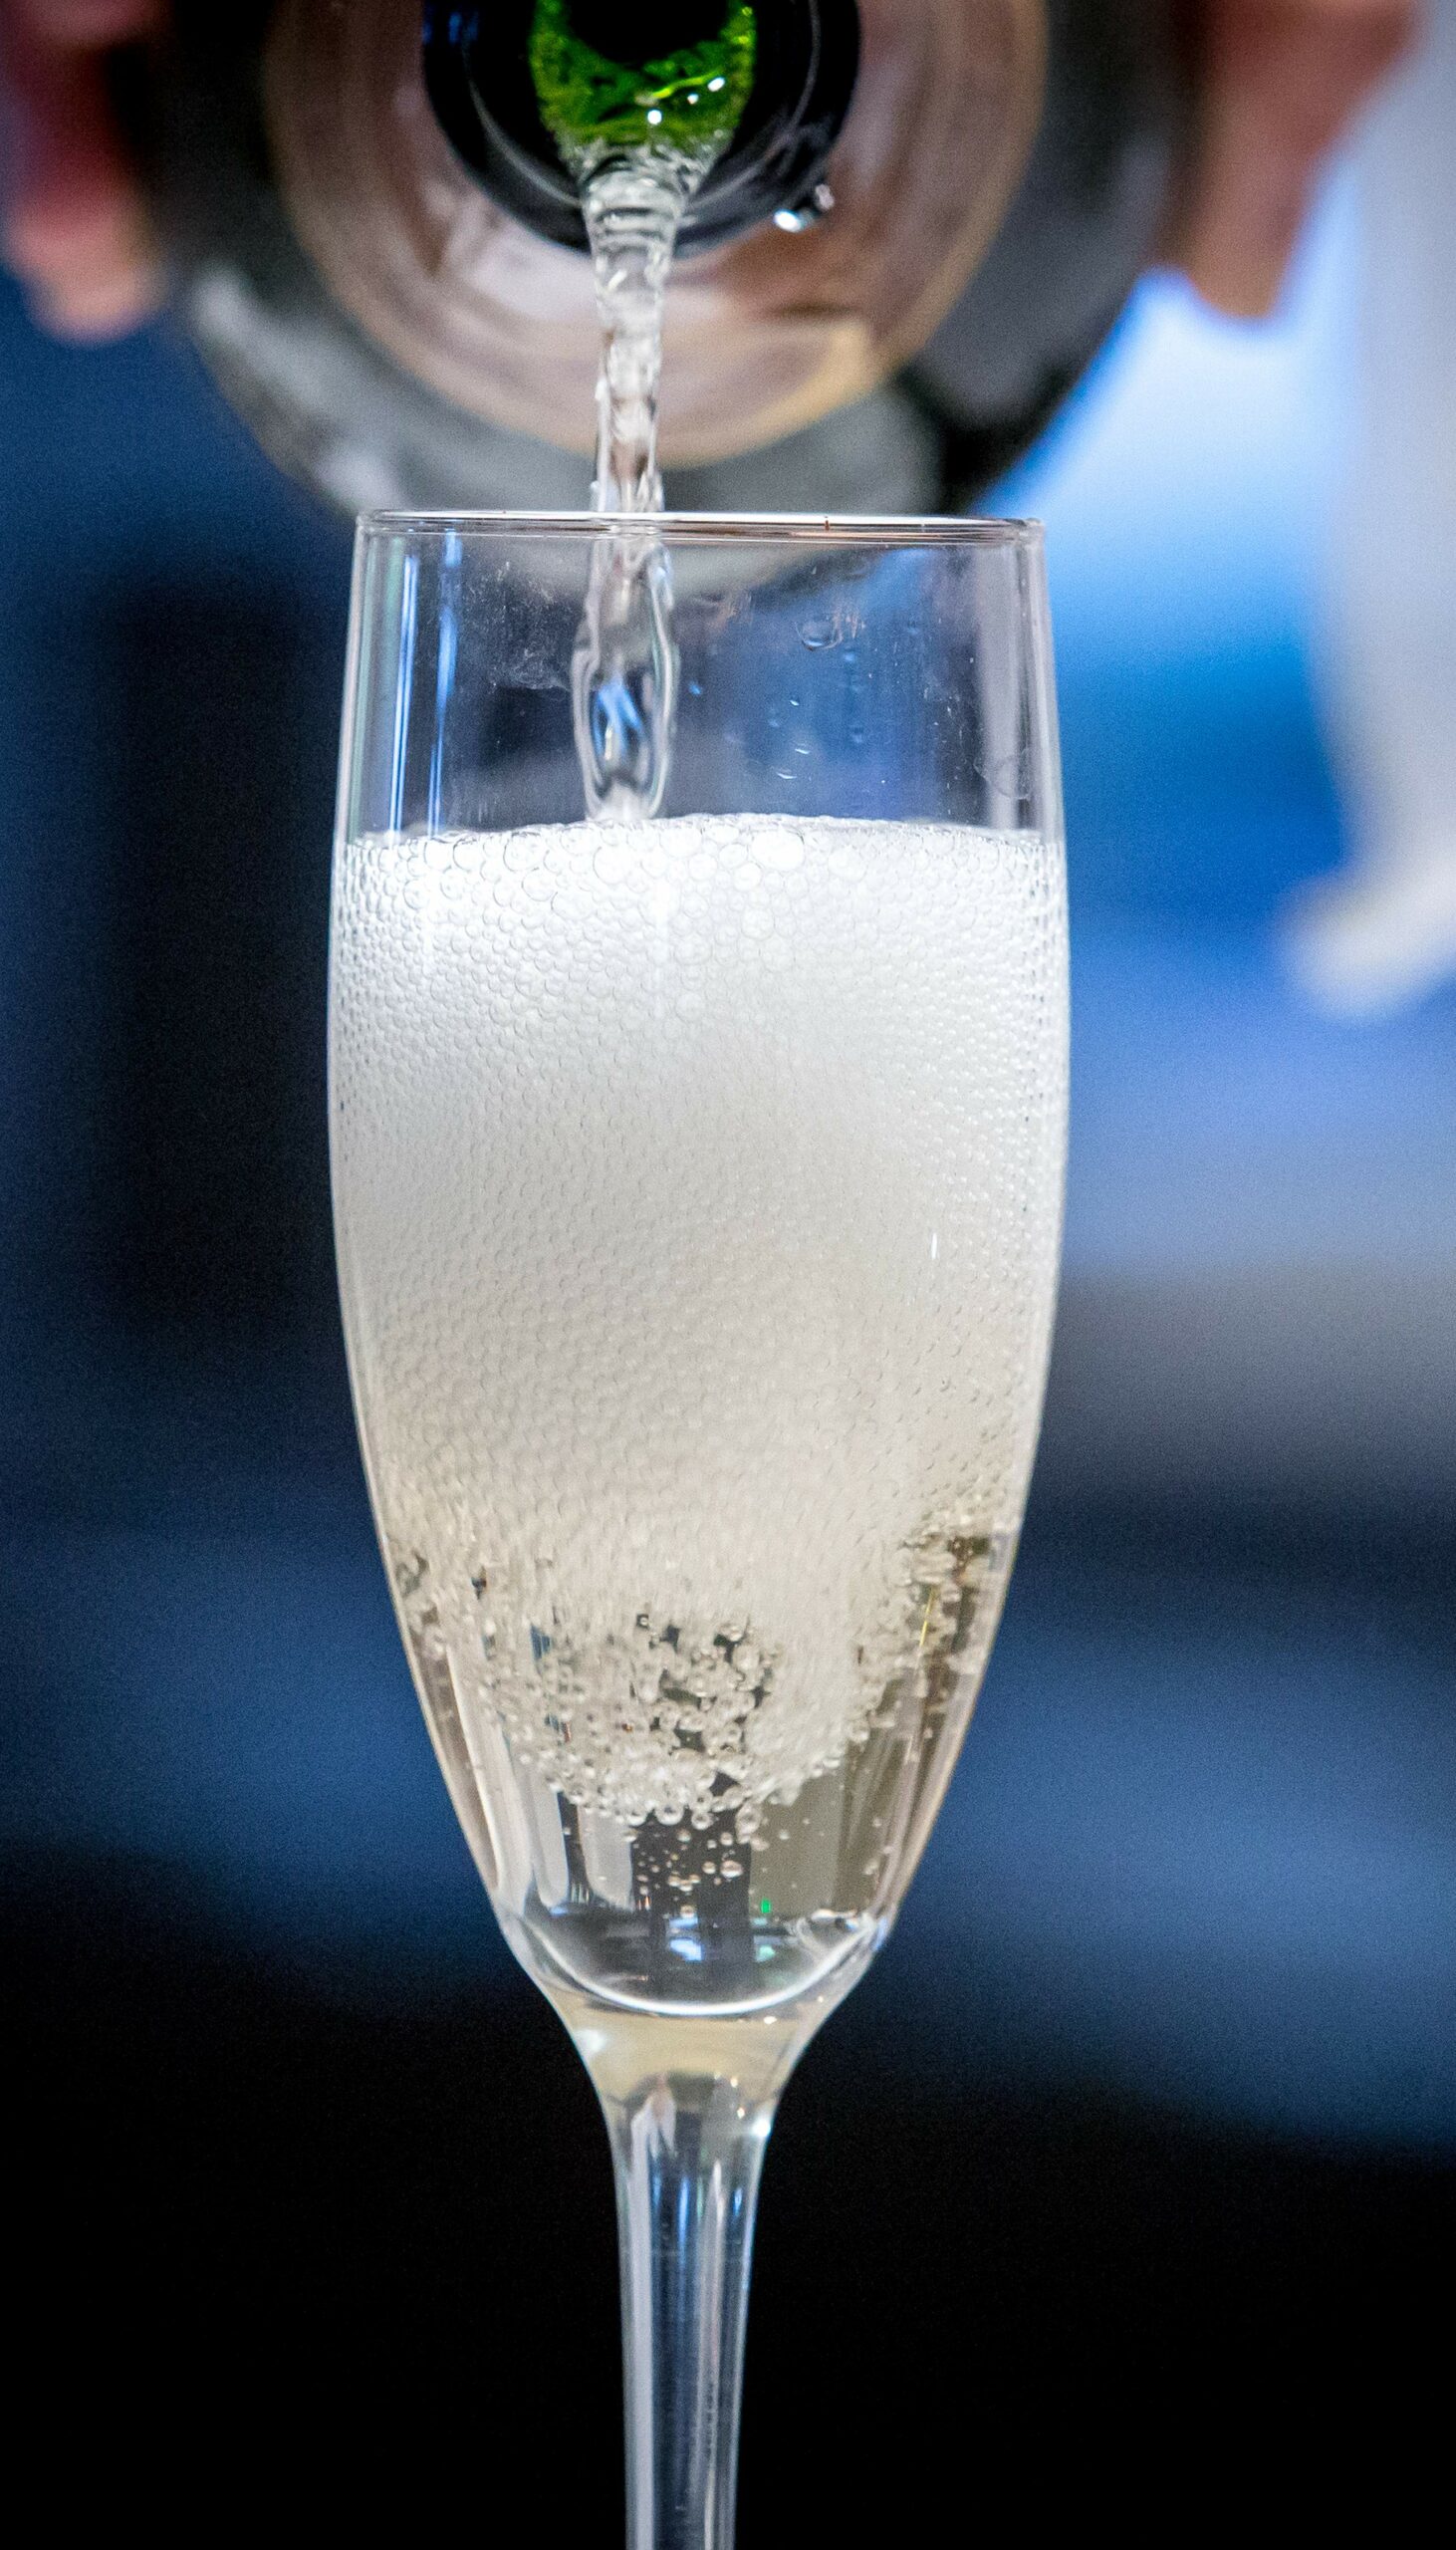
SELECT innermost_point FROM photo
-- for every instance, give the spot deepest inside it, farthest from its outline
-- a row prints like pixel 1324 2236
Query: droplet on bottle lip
pixel 802 216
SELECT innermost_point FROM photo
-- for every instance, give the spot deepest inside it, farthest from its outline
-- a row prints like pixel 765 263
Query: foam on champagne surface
pixel 698 1191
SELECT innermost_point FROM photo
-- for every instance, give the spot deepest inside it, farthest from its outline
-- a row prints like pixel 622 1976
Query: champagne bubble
pixel 703 1472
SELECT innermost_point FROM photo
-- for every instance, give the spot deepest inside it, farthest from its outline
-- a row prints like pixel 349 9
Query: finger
pixel 86 25
pixel 1279 81
pixel 71 224
pixel 112 296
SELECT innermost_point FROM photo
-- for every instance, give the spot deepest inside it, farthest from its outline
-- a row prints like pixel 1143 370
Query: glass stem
pixel 689 2150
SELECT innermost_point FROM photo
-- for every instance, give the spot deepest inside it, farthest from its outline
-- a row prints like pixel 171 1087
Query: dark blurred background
pixel 1147 2117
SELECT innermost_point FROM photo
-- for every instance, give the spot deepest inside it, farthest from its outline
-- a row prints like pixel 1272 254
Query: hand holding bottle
pixel 1278 81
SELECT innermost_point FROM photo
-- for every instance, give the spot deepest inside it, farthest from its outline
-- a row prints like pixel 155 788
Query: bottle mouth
pixel 478 76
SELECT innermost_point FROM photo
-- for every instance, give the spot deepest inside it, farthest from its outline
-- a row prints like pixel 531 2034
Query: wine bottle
pixel 918 221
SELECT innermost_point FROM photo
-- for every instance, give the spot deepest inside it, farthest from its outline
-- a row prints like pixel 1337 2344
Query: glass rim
pixel 827 531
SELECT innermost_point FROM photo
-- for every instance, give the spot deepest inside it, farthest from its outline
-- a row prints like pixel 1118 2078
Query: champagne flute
pixel 698 1190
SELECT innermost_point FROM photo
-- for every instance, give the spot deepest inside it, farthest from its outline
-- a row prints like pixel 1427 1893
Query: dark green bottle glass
pixel 530 92
pixel 688 99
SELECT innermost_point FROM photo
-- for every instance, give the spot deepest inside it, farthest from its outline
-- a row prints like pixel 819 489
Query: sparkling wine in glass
pixel 698 1187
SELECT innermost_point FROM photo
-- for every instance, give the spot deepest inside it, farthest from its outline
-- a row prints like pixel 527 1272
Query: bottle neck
pixel 791 68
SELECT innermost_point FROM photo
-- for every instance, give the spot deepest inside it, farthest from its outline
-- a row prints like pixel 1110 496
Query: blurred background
pixel 1154 2093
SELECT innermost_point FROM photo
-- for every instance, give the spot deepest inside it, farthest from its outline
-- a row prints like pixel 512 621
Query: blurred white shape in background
pixel 1382 930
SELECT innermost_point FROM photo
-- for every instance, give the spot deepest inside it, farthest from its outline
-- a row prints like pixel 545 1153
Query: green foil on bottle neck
pixel 687 101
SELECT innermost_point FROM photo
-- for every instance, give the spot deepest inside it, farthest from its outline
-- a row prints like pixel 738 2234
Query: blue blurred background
pixel 1200 1849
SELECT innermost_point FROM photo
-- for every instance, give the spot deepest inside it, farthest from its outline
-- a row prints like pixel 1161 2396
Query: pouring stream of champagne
pixel 638 140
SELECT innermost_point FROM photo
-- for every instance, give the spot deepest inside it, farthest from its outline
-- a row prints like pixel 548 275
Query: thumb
pixel 1278 82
